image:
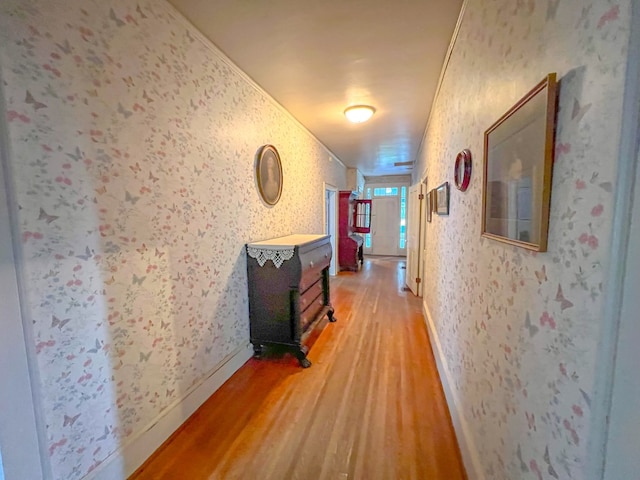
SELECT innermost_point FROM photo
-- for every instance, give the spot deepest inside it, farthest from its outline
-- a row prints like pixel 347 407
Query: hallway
pixel 370 407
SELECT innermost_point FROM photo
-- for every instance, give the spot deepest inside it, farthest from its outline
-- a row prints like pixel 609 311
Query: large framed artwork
pixel 518 162
pixel 269 174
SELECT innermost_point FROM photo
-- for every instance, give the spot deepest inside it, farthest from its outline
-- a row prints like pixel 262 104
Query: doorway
pixel 330 223
pixel 385 226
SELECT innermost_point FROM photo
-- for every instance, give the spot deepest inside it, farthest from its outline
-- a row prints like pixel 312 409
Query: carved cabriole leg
pixel 258 350
pixel 302 358
pixel 326 289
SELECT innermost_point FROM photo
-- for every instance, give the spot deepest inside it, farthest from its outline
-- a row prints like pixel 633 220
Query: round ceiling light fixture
pixel 359 113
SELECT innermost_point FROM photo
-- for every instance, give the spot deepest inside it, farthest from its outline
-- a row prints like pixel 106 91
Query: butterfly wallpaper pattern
pixel 519 330
pixel 132 159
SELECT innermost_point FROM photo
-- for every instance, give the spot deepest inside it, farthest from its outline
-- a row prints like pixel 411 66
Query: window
pixel 367 237
pixel 385 192
pixel 403 218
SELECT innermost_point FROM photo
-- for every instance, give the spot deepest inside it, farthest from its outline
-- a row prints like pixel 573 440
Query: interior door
pixel 413 238
pixel 385 226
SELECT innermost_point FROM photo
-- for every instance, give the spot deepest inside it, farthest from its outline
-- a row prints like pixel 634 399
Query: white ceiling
pixel 317 58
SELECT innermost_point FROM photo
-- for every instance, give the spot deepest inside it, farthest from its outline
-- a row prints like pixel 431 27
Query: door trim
pixel 612 452
pixel 415 212
pixel 22 437
pixel 326 187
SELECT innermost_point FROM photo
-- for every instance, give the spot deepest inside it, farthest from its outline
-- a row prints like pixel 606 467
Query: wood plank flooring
pixel 370 407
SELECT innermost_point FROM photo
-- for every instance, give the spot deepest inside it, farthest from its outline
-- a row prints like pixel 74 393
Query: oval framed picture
pixel 269 174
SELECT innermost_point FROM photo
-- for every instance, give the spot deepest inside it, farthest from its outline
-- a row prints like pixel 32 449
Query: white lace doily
pixel 277 256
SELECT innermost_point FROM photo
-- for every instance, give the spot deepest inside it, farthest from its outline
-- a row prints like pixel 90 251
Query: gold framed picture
pixel 518 162
pixel 269 174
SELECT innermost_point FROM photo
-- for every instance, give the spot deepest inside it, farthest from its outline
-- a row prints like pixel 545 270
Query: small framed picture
pixel 442 199
pixel 269 174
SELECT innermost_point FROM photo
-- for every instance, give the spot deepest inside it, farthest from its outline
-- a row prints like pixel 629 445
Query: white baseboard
pixel 470 455
pixel 122 463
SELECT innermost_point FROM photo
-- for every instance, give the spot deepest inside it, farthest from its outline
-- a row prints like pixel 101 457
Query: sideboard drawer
pixel 311 294
pixel 309 278
pixel 315 259
pixel 310 314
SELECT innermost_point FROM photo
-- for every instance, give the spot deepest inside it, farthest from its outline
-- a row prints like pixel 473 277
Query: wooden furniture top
pixel 287 241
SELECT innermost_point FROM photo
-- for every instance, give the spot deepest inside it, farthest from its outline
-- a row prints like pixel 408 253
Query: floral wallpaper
pixel 132 154
pixel 519 330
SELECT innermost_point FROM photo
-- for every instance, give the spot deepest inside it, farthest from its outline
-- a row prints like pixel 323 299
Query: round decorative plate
pixel 462 172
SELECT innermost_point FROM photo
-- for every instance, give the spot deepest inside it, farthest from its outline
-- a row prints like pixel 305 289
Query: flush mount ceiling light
pixel 359 113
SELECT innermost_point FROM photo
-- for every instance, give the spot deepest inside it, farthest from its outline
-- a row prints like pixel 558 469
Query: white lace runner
pixel 277 256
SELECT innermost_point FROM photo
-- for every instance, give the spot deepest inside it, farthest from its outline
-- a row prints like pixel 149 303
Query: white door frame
pixel 22 442
pixel 333 224
pixel 415 209
pixel 618 376
pixel 401 251
pixel 423 234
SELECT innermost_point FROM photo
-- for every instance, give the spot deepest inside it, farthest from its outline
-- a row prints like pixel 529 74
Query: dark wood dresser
pixel 288 280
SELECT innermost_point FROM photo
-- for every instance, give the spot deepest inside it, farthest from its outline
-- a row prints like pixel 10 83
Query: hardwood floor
pixel 370 407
